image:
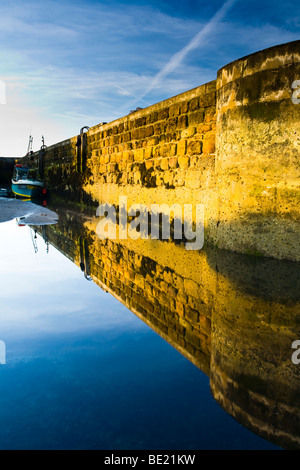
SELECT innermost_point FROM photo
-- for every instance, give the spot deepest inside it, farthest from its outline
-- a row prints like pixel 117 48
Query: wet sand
pixel 31 214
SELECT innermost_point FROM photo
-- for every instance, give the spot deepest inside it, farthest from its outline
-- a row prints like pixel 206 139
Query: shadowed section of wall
pixel 230 315
pixel 231 145
pixel 255 320
pixel 62 171
pixel 6 170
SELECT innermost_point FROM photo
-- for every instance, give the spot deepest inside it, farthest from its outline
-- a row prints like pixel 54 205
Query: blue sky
pixel 66 64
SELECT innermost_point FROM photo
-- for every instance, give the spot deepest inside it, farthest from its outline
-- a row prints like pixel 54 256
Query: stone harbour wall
pixel 231 145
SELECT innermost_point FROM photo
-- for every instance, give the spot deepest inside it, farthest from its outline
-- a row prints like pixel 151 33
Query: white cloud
pixel 10 24
pixel 18 119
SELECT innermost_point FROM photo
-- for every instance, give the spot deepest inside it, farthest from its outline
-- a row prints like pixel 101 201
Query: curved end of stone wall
pixel 257 153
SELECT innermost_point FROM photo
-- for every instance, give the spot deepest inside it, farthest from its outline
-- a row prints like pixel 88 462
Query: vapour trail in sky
pixel 179 57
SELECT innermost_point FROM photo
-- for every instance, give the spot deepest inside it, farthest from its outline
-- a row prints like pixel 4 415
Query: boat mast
pixel 30 146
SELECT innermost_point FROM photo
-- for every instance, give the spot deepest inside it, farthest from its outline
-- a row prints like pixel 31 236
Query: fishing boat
pixel 27 184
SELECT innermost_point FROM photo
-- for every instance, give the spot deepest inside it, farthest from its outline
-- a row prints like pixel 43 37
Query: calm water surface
pixel 84 372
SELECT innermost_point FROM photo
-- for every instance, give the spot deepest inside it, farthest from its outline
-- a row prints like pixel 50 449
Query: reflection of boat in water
pixel 27 184
pixel 33 234
pixel 38 219
pixel 4 192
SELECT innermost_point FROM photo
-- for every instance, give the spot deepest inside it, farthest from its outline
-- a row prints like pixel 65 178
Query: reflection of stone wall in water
pixel 256 319
pixel 164 296
pixel 234 317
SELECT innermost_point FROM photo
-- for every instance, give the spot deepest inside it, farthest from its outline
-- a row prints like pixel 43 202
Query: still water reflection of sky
pixel 83 372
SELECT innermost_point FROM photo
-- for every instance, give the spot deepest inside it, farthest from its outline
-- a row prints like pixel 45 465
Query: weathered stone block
pixel 194 104
pixel 112 167
pixel 171 125
pixel 209 145
pixel 135 133
pixel 194 147
pixel 181 147
pixel 180 309
pixel 196 118
pixel 142 133
pixel 184 162
pixel 121 128
pixel 157 163
pixel 163 114
pixel 182 121
pixel 141 121
pixel 164 164
pixel 172 291
pixel 171 137
pixel 190 132
pixel 148 153
pixel 139 155
pixel 184 107
pixel 149 131
pixel 116 139
pixel 174 110
pixel 194 162
pixel 191 287
pixel 149 164
pixel 209 99
pixel 126 137
pixel 152 117
pixel 204 127
pixel 168 150
pixel 153 141
pixel 173 162
pixel 159 128
pixel 192 315
pixel 182 297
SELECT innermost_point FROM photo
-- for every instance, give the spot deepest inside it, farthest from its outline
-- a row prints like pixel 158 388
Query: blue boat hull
pixel 28 191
